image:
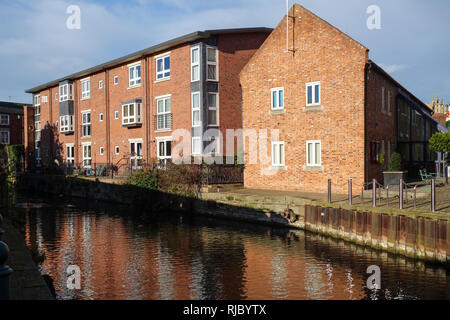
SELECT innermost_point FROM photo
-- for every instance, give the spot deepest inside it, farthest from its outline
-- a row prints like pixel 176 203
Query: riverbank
pixel 415 234
pixel 26 282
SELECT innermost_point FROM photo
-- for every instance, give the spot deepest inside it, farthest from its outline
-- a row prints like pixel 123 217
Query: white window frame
pixel 100 117
pixel 44 99
pixel 200 146
pixel 135 159
pixel 164 140
pixel 100 84
pixel 37 100
pixel 116 115
pixel 116 80
pixel 164 113
pixel 70 156
pixel 313 98
pixel 216 109
pixel 116 150
pixel 198 109
pixel 136 118
pixel 134 77
pixel 8 137
pixel 87 157
pixel 85 123
pixel 4 119
pixel 277 159
pixel 272 101
pixel 314 156
pixel 195 64
pixel 66 123
pixel 85 89
pixel 66 92
pixel 211 63
pixel 102 151
pixel 161 75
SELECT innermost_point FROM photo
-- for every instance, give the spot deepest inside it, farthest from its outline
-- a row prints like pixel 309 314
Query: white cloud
pixel 393 68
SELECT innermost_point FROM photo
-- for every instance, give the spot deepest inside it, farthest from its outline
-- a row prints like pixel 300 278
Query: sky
pixel 36 46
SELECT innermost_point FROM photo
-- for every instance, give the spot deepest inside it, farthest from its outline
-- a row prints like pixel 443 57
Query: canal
pixel 123 256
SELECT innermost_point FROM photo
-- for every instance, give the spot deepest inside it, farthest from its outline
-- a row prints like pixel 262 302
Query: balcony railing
pixel 163 121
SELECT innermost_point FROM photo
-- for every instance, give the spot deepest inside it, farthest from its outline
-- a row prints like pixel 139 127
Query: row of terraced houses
pixel 336 112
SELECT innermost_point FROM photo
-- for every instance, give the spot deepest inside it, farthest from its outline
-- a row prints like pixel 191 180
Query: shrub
pixel 395 164
pixel 440 142
pixel 145 179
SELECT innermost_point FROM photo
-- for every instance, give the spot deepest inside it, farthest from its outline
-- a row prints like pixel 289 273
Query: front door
pixel 136 155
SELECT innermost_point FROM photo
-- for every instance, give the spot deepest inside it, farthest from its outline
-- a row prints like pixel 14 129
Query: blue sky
pixel 36 46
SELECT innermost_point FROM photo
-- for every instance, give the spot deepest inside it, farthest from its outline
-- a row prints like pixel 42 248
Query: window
pixel 136 154
pixel 100 117
pixel 195 64
pixel 389 102
pixel 102 151
pixel 100 84
pixel 4 119
pixel 211 54
pixel 65 92
pixel 313 93
pixel 44 99
pixel 164 121
pixel 87 158
pixel 116 80
pixel 277 98
pixel 4 136
pixel 277 154
pixel 66 124
pixel 116 150
pixel 164 149
pixel 163 67
pixel 213 109
pixel 70 155
pixel 37 104
pixel 313 153
pixel 134 75
pixel 85 89
pixel 383 100
pixel 56 96
pixel 196 146
pixel 86 124
pixel 196 109
pixel 131 113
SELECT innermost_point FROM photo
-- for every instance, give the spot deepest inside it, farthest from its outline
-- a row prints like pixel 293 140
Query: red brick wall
pixel 380 124
pixel 323 54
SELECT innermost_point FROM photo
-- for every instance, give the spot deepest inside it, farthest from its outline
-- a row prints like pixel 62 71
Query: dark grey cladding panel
pixel 211 41
pixel 195 86
pixel 212 86
pixel 137 100
pixel 66 108
pixel 65 82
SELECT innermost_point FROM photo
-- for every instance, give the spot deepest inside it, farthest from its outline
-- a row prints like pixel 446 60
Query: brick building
pixel 339 115
pixel 124 112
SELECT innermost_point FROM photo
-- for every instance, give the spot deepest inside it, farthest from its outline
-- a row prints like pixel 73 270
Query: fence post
pixel 400 190
pixel 433 195
pixel 350 192
pixel 329 191
pixel 5 271
pixel 374 193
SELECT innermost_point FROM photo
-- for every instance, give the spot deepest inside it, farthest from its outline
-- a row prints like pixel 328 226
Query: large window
pixel 134 75
pixel 278 154
pixel 313 153
pixel 70 155
pixel 163 67
pixel 66 124
pixel 164 116
pixel 213 109
pixel 313 93
pixel 4 136
pixel 87 157
pixel 211 54
pixel 136 154
pixel 196 146
pixel 65 92
pixel 37 104
pixel 196 121
pixel 132 113
pixel 195 64
pixel 277 98
pixel 4 119
pixel 85 89
pixel 86 124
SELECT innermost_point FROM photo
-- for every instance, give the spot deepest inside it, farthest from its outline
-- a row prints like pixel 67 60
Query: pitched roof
pixel 12 107
pixel 148 51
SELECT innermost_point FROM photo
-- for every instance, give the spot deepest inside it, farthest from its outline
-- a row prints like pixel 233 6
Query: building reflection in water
pixel 124 257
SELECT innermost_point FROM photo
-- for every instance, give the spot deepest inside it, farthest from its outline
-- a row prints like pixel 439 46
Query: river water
pixel 123 256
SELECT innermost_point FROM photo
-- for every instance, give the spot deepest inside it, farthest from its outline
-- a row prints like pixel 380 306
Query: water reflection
pixel 126 257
